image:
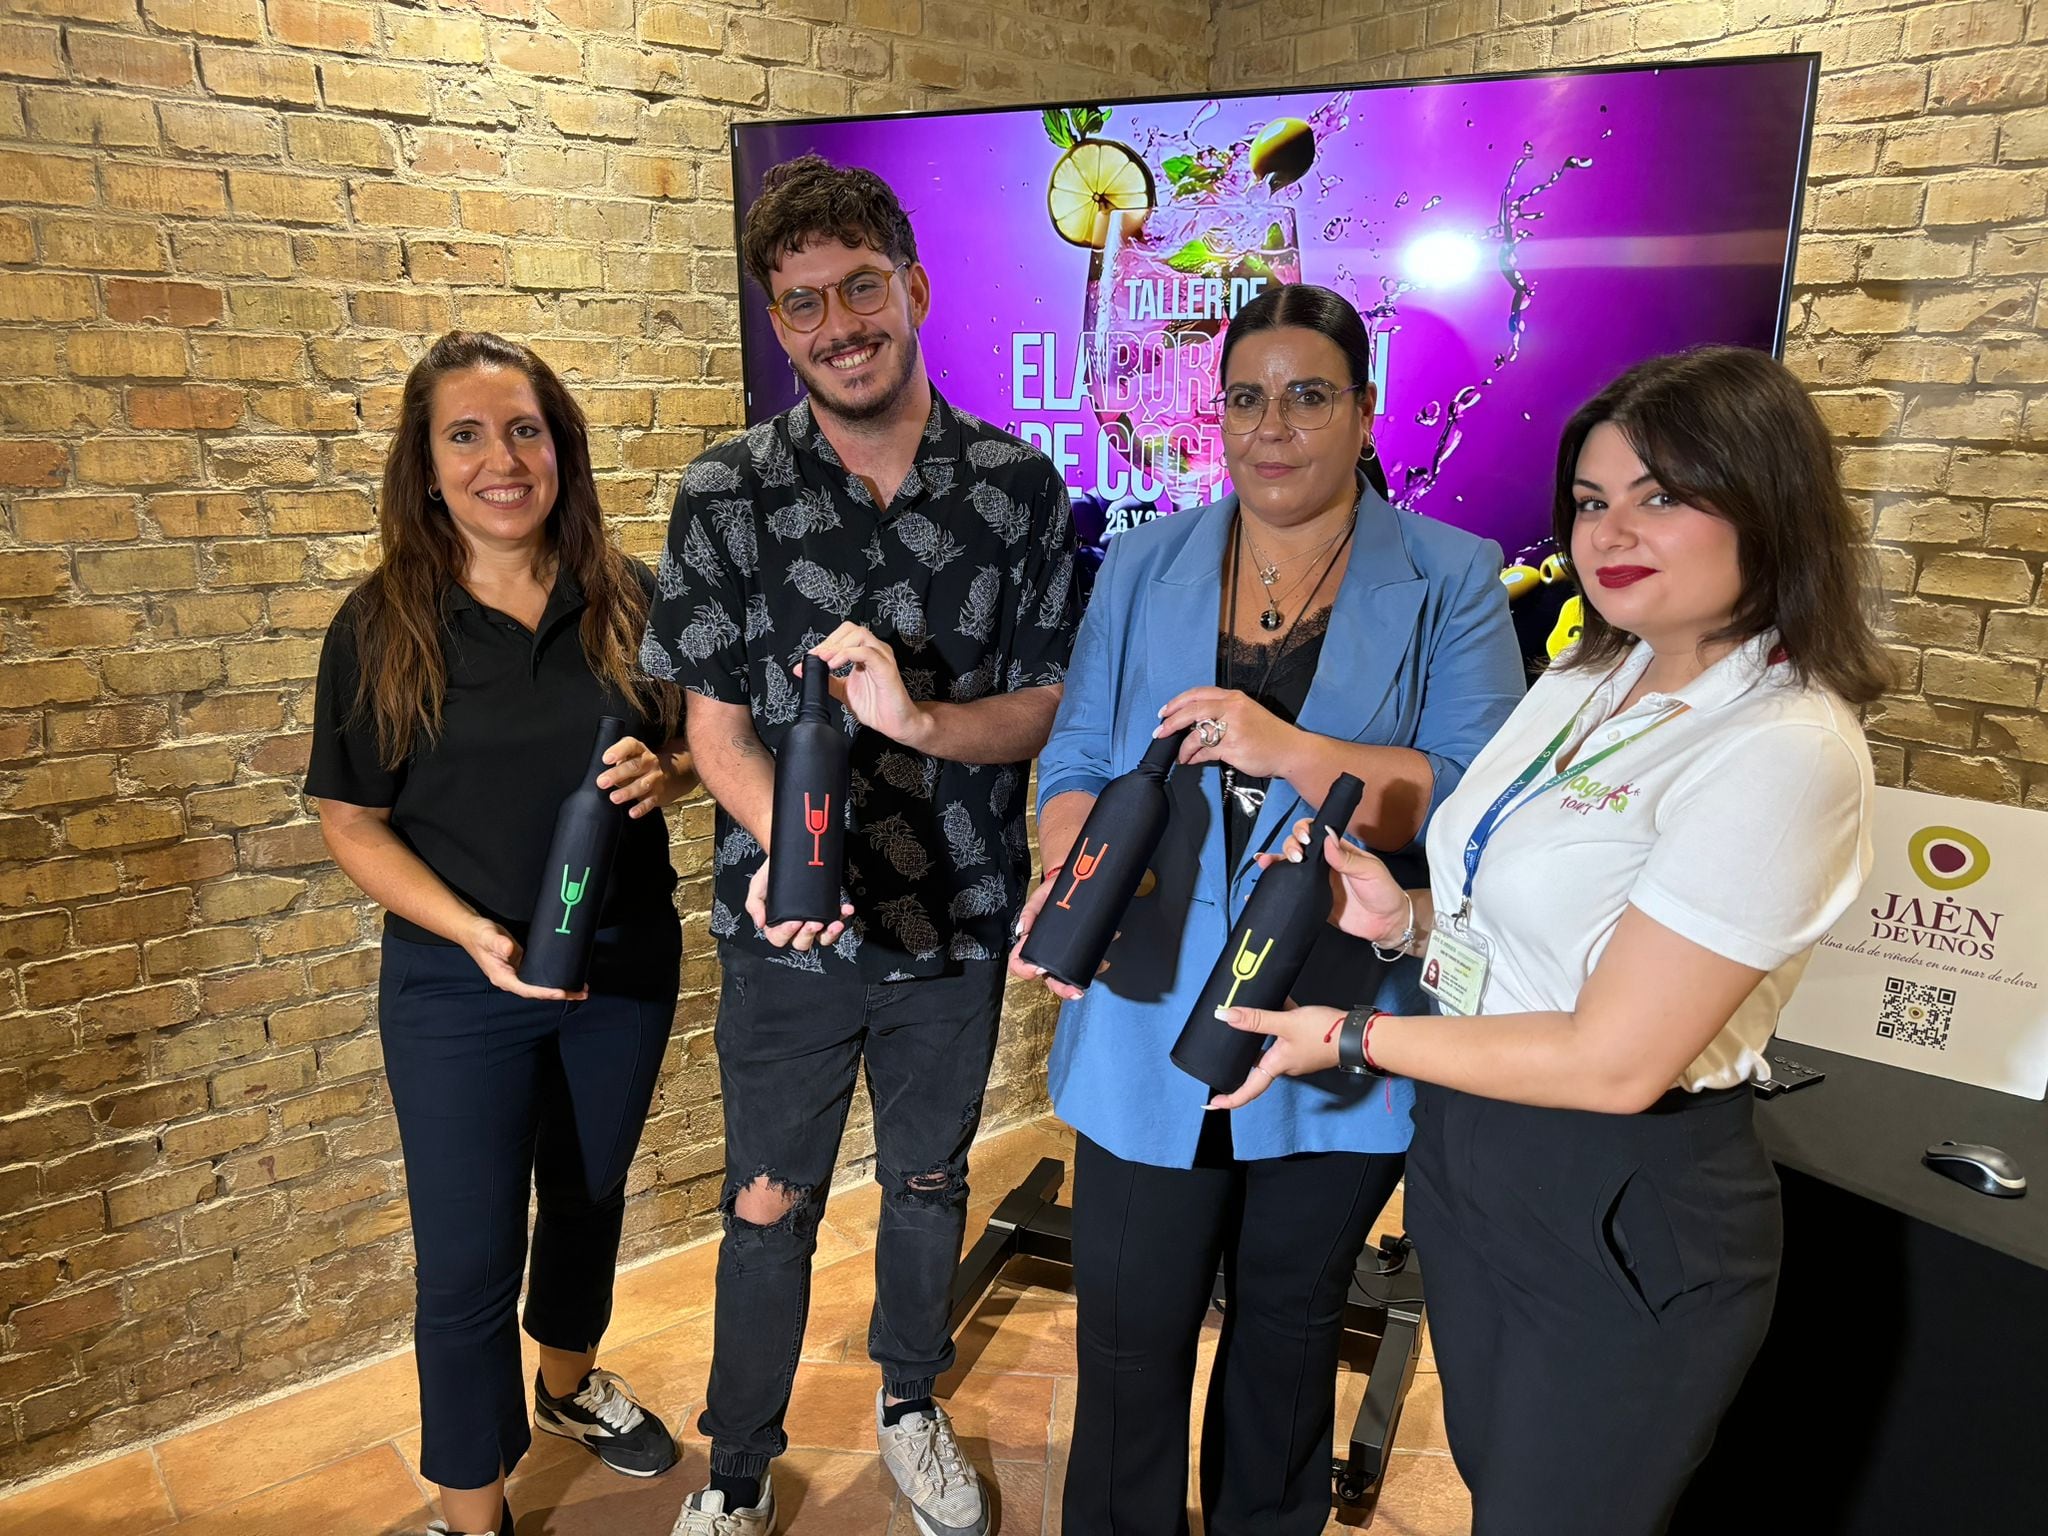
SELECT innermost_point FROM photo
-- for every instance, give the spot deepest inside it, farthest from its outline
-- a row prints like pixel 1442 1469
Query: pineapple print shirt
pixel 968 575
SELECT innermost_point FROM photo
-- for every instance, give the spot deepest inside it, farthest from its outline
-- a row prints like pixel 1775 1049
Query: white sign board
pixel 1941 965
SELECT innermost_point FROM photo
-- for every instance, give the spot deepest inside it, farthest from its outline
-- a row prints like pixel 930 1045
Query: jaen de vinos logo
pixel 1948 858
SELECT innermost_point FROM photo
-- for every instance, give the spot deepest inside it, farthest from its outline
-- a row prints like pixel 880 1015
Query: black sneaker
pixel 604 1416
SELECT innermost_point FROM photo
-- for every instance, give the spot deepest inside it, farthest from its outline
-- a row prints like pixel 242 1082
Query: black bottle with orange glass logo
pixel 806 864
pixel 1075 927
pixel 1268 946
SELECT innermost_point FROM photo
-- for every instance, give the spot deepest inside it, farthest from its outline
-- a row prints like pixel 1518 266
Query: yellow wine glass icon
pixel 1244 965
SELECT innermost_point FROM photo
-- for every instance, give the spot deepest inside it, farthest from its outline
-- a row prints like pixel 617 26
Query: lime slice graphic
pixel 1948 858
pixel 1093 180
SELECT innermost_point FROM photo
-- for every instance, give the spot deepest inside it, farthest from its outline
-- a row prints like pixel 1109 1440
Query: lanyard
pixel 1501 809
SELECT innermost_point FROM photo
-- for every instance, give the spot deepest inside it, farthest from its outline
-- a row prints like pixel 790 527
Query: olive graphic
pixel 1283 152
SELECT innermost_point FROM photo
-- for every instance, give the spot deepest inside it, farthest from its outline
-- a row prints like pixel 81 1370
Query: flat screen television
pixel 1515 242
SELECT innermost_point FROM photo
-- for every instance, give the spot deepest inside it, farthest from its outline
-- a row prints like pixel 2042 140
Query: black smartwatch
pixel 1351 1042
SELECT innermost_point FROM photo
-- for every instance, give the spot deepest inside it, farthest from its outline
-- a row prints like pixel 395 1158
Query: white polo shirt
pixel 1741 823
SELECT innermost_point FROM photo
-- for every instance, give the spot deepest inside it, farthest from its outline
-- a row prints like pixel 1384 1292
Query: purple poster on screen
pixel 1514 243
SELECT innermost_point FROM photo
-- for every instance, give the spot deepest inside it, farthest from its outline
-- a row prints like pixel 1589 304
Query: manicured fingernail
pixel 1223 1014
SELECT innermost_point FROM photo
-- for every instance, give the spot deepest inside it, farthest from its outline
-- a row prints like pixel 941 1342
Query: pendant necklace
pixel 1268 572
pixel 1251 798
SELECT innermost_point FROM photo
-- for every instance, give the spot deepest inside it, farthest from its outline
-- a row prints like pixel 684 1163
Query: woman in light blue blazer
pixel 1304 628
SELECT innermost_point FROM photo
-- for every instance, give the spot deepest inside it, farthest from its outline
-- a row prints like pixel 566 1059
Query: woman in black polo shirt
pixel 460 688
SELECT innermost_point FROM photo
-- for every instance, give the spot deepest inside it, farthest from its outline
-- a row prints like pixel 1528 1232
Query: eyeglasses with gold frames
pixel 863 291
pixel 1304 405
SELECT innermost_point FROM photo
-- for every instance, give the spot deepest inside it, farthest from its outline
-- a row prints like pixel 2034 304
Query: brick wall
pixel 1917 317
pixel 226 229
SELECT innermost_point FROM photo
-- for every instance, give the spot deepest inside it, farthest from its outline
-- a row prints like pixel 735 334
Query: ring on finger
pixel 1211 732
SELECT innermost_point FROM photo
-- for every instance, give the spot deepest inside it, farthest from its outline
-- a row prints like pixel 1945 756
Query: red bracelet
pixel 1331 1033
pixel 1365 1043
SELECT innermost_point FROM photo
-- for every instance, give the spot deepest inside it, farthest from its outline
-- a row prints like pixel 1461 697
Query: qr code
pixel 1916 1013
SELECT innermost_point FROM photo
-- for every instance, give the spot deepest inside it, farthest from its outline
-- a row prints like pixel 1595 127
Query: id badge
pixel 1454 967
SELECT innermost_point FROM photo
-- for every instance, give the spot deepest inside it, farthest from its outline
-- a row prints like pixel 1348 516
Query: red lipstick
pixel 1612 576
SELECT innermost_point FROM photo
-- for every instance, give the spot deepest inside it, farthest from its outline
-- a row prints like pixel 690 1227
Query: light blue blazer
pixel 1420 653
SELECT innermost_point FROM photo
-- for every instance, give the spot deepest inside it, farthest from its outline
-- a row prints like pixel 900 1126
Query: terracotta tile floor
pixel 340 1458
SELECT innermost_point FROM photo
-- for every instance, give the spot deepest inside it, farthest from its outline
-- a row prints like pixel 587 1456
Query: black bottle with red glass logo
pixel 1078 922
pixel 1268 946
pixel 573 881
pixel 806 864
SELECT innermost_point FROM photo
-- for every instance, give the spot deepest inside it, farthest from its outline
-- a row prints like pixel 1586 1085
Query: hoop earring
pixel 433 493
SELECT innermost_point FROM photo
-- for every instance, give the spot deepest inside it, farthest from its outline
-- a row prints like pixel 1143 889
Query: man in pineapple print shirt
pixel 929 558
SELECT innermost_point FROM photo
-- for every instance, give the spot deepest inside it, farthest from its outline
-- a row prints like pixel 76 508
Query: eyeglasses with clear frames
pixel 1303 407
pixel 863 291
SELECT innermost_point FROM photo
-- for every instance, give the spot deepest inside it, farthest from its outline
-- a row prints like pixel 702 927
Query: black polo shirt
pixel 968 574
pixel 478 803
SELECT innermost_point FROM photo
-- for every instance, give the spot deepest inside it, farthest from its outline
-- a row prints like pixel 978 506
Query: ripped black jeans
pixel 790 1044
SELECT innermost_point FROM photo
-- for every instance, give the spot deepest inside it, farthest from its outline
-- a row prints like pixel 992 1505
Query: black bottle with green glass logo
pixel 572 882
pixel 1268 946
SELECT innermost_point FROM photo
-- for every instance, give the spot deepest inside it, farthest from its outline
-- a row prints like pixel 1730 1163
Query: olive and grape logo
pixel 1948 858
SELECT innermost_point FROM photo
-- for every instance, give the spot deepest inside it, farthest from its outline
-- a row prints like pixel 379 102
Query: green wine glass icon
pixel 572 894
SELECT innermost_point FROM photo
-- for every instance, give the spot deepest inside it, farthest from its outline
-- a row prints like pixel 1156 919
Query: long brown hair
pixel 398 608
pixel 1730 431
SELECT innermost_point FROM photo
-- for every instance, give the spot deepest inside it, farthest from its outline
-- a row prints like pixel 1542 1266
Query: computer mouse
pixel 1984 1169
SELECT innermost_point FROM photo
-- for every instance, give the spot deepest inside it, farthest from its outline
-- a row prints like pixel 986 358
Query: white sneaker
pixel 704 1514
pixel 923 1456
pixel 440 1527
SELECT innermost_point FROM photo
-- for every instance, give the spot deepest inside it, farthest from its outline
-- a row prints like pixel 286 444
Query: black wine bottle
pixel 1268 946
pixel 1075 927
pixel 573 881
pixel 807 859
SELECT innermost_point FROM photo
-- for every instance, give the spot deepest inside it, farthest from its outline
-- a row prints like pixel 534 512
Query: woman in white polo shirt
pixel 1625 889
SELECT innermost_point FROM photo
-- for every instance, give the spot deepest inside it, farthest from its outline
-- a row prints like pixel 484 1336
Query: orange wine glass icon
pixel 815 822
pixel 1085 864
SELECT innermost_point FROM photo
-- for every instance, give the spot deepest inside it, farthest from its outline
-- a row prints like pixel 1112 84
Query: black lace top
pixel 1277 674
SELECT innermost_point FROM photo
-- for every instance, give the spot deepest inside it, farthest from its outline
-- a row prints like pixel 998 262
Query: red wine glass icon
pixel 816 820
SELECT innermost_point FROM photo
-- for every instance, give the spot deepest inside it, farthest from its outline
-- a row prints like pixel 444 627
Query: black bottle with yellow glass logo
pixel 1268 946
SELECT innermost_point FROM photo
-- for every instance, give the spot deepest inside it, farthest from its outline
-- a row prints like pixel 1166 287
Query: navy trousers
pixel 500 1099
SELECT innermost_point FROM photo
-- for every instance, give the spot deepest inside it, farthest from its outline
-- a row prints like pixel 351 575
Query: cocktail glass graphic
pixel 1159 297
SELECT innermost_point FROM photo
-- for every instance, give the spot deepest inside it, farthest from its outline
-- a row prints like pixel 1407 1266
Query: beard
pixel 820 382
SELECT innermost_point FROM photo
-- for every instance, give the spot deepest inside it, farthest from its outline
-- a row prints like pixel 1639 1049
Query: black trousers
pixel 501 1099
pixel 1147 1241
pixel 790 1045
pixel 1598 1286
